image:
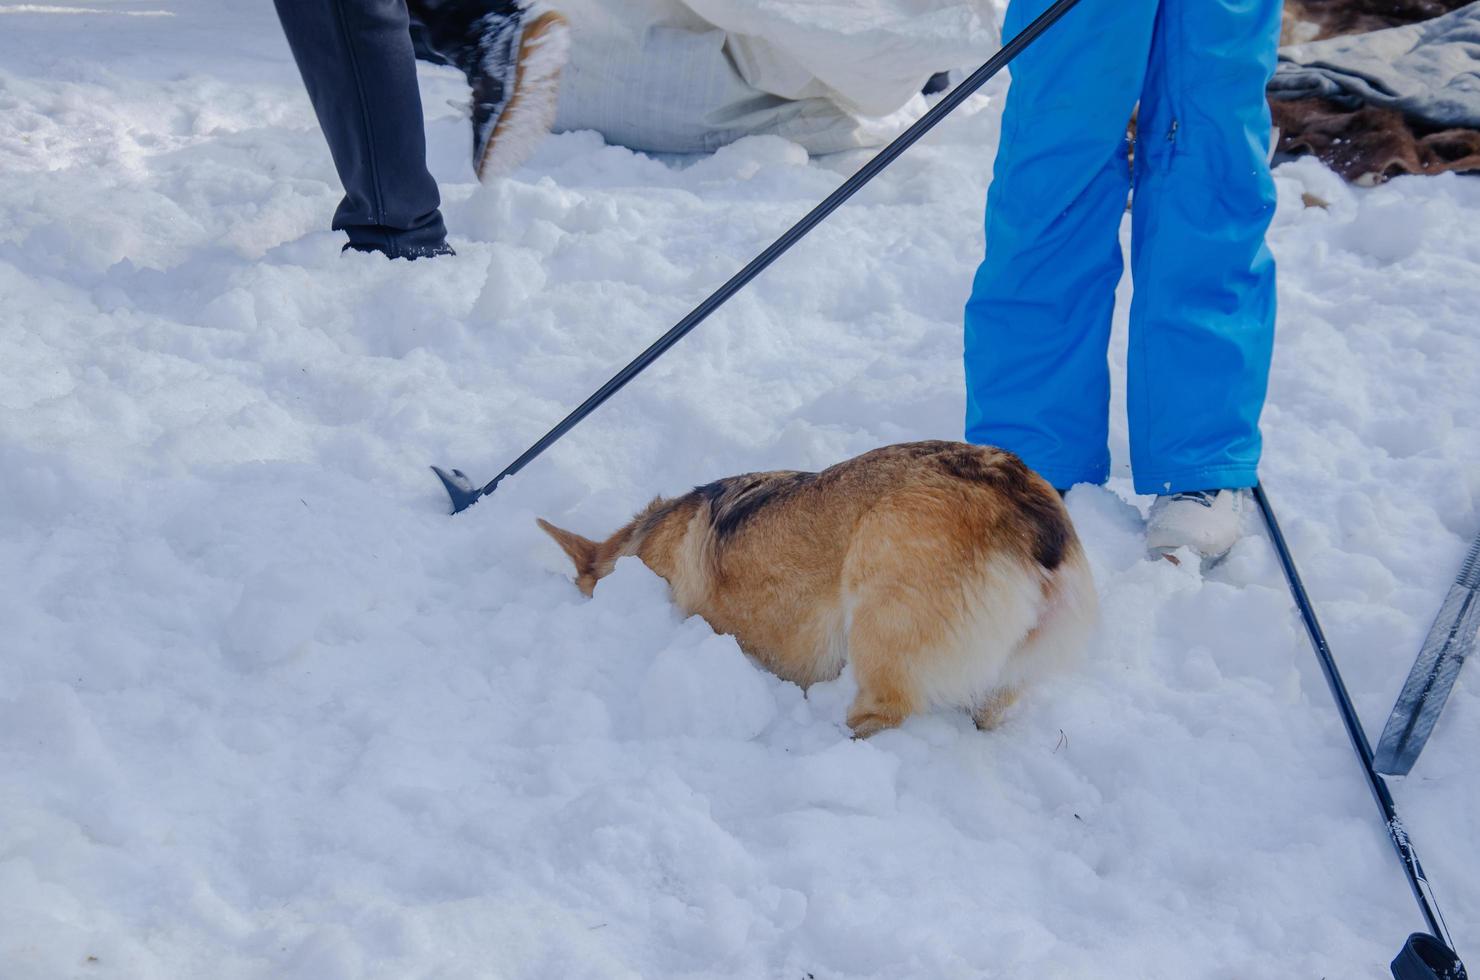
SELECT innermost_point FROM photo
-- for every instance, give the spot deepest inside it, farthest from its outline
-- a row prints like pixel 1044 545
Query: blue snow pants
pixel 1202 313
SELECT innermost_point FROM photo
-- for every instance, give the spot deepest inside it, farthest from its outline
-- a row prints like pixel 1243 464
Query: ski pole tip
pixel 460 489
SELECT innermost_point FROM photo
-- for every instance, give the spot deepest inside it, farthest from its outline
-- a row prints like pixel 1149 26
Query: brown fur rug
pixel 1313 20
pixel 1367 145
pixel 1371 145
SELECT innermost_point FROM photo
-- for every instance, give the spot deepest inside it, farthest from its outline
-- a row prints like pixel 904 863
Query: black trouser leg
pixel 357 64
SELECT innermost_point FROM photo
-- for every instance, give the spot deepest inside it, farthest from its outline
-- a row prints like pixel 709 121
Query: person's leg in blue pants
pixel 1202 317
pixel 358 65
pixel 1038 322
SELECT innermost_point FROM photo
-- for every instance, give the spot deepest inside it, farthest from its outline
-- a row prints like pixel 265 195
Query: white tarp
pixel 693 75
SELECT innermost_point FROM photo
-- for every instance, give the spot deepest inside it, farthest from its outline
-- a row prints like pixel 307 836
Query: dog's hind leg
pixel 879 650
pixel 891 626
pixel 988 714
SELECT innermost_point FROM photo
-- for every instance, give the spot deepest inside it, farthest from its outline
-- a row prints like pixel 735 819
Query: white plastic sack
pixel 693 75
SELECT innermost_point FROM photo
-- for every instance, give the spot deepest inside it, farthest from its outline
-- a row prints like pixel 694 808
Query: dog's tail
pixel 594 560
pixel 583 551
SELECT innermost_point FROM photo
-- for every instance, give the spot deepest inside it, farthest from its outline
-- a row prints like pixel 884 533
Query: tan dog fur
pixel 948 574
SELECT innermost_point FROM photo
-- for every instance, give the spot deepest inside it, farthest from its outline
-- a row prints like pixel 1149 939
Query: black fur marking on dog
pixel 1050 534
pixel 1048 526
pixel 968 464
pixel 737 499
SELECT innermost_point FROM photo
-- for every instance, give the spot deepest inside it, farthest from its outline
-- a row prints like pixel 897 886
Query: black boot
pixel 512 54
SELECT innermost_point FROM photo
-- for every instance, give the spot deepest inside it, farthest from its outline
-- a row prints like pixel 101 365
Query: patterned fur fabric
pixel 1312 20
pixel 1371 145
pixel 1367 145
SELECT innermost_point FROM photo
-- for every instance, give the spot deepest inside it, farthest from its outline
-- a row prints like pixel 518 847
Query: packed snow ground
pixel 265 712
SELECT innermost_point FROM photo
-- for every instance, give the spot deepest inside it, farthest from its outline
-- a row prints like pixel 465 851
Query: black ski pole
pixel 1424 956
pixel 462 491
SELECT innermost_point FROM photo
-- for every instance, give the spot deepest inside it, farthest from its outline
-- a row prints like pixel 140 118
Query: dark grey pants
pixel 358 65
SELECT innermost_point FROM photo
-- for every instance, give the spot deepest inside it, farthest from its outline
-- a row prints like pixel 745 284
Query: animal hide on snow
pixel 1314 20
pixel 1369 145
pixel 1399 99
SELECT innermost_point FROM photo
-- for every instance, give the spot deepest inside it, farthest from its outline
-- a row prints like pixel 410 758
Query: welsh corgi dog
pixel 947 574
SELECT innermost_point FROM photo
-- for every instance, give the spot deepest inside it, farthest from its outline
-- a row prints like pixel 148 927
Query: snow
pixel 265 711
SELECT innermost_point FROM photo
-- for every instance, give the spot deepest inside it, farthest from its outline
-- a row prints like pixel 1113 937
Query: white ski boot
pixel 1207 521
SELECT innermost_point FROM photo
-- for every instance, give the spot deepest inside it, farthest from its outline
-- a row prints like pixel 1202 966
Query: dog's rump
pixel 979 574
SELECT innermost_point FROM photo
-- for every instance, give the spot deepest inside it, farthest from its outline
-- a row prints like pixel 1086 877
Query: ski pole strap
pixel 1420 951
pixel 1425 958
pixel 794 234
